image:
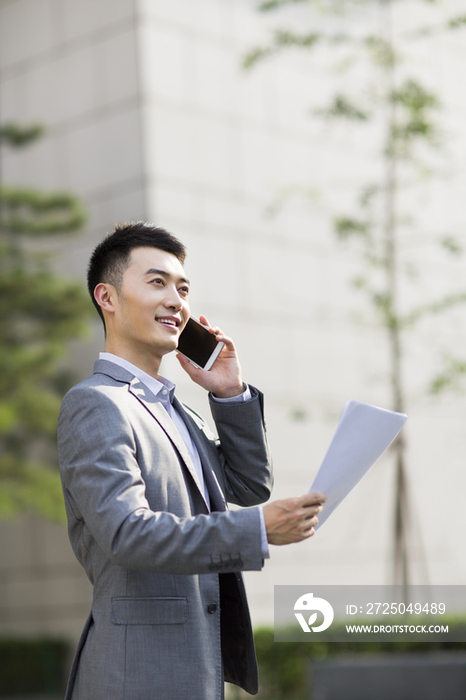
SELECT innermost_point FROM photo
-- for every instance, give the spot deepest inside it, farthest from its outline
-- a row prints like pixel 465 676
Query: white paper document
pixel 363 433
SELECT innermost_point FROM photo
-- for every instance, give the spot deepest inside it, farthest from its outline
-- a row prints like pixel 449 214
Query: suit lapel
pixel 143 394
pixel 215 492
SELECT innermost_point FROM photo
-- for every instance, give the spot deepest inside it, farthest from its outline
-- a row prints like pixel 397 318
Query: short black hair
pixel 111 256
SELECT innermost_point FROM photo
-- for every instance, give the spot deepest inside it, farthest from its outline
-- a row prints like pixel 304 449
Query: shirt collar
pixel 162 388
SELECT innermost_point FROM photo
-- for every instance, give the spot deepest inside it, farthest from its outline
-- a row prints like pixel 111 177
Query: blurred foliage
pixel 448 377
pixel 40 313
pixel 285 667
pixel 380 94
pixel 343 107
pixel 282 39
pixel 16 135
pixel 407 115
pixel 32 666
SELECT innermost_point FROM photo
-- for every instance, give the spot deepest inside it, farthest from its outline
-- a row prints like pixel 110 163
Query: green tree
pixel 40 313
pixel 403 110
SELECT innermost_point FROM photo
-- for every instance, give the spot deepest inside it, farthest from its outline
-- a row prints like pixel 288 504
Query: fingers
pixel 307 506
pixel 205 322
pixel 189 368
pixel 215 330
pixel 310 499
pixel 293 519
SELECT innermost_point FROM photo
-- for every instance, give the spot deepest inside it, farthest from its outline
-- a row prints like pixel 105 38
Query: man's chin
pixel 168 347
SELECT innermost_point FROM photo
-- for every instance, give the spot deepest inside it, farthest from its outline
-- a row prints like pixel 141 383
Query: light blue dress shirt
pixel 164 390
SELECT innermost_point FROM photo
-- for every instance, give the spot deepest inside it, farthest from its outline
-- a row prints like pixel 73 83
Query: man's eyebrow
pixel 154 271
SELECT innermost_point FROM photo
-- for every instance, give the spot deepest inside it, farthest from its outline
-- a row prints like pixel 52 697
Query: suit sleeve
pixel 246 461
pixel 106 502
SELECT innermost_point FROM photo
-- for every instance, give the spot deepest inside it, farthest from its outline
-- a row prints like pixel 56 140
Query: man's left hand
pixel 223 380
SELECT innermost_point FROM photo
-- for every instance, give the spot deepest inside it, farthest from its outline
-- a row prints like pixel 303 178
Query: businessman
pixel 146 487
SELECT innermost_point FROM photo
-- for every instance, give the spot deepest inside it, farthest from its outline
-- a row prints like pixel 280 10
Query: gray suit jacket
pixel 169 601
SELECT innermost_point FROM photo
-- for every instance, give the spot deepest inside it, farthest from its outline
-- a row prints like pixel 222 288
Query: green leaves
pixel 32 213
pixel 412 123
pixel 449 376
pixel 381 51
pixel 281 39
pixel 342 106
pixel 29 486
pixel 346 227
pixel 39 314
pixel 452 244
pixel 457 22
pixel 400 114
pixel 16 135
pixel 275 4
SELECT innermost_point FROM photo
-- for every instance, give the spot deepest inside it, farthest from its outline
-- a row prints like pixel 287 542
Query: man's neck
pixel 149 365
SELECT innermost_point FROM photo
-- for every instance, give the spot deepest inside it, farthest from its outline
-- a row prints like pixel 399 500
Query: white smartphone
pixel 198 345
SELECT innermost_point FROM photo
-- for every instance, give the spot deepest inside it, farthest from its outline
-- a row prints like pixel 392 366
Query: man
pixel 146 486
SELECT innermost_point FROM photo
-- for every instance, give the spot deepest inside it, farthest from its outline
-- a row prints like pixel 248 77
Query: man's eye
pixel 184 290
pixel 158 280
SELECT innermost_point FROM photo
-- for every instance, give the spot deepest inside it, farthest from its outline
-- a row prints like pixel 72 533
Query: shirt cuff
pixel 264 543
pixel 245 396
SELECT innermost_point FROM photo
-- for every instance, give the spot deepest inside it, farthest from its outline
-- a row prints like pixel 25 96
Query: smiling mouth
pixel 169 322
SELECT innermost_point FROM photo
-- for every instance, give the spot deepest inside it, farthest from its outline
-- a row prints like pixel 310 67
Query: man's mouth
pixel 170 321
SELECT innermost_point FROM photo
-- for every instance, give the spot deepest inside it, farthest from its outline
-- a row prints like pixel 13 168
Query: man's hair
pixel 111 257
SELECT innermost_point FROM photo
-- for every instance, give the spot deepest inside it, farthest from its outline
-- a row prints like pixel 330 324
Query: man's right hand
pixel 292 519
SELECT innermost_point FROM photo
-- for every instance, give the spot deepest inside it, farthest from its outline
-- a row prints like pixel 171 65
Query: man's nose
pixel 173 298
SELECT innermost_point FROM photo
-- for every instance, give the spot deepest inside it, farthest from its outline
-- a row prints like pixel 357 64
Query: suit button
pixel 211 608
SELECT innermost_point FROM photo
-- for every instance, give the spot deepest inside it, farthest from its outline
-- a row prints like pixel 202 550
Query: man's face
pixel 151 308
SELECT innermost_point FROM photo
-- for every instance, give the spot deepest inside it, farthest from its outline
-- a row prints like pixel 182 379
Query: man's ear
pixel 104 294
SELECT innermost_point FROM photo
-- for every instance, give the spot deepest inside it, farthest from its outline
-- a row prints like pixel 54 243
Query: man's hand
pixel 224 379
pixel 292 519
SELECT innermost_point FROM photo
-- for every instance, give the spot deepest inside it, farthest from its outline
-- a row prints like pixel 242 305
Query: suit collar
pixel 110 369
pixel 158 386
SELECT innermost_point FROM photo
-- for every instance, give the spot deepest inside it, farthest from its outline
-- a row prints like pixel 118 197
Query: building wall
pixel 72 66
pixel 231 158
pixel 42 590
pixel 150 115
